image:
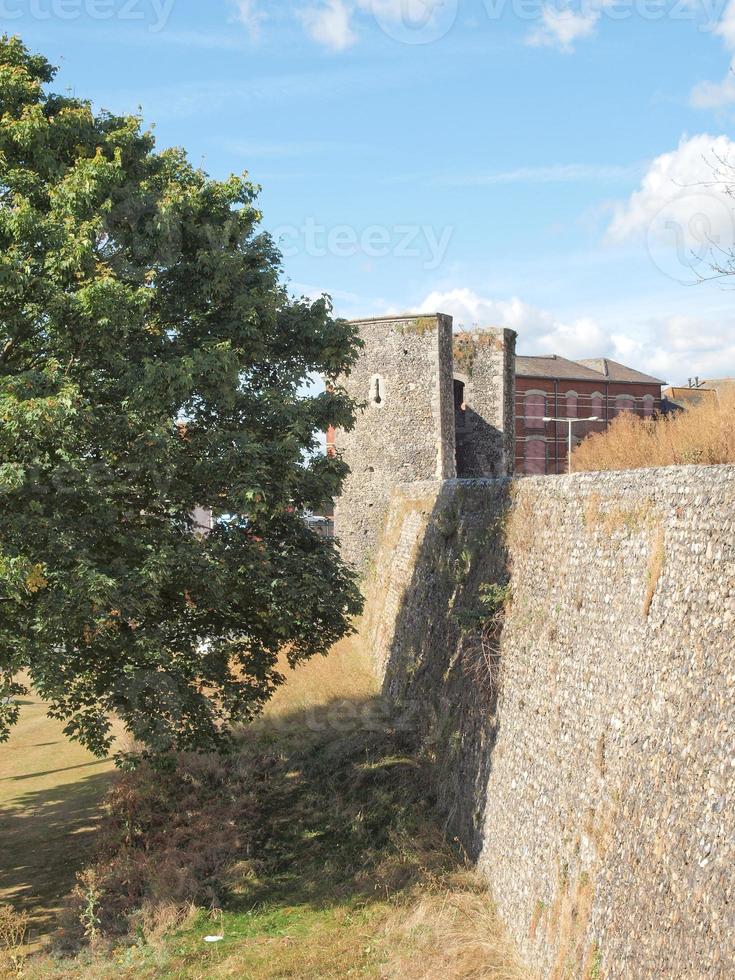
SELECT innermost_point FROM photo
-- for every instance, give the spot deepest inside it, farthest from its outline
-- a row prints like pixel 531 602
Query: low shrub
pixel 13 930
pixel 173 825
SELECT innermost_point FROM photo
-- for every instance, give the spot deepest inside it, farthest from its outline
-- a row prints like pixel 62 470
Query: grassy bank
pixel 312 851
pixel 50 794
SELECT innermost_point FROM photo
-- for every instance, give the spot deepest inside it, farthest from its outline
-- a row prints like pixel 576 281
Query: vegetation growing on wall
pixel 466 346
pixel 482 628
pixel 655 569
pixel 420 325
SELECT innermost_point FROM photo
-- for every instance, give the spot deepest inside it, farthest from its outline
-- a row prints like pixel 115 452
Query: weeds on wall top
pixel 421 325
pixel 467 345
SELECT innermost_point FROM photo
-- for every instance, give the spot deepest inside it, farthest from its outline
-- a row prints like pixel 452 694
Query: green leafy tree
pixel 152 363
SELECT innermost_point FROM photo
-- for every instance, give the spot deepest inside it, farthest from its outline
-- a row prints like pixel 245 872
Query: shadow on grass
pixel 49 772
pixel 317 812
pixel 311 850
pixel 46 838
pixel 345 812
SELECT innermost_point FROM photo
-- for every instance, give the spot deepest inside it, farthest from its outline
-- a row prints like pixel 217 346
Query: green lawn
pixel 50 790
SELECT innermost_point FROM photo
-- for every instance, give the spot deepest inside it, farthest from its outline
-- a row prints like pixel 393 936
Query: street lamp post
pixel 570 423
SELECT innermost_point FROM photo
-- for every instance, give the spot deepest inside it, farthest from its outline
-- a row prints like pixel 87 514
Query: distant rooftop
pixel 695 395
pixel 615 371
pixel 591 369
pixel 683 397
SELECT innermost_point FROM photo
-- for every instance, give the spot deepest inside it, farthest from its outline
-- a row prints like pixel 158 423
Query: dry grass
pixel 345 674
pixel 13 932
pixel 453 933
pixel 520 524
pixel 50 802
pixel 703 435
pixel 569 923
pixel 613 518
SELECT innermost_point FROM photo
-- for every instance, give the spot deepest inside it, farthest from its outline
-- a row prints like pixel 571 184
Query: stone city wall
pixel 568 645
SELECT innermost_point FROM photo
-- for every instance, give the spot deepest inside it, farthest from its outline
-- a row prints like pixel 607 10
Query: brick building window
pixel 597 405
pixel 535 457
pixel 649 403
pixel 534 410
pixel 624 403
pixel 572 404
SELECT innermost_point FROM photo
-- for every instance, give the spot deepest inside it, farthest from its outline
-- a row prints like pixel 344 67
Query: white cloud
pixel 562 27
pixel 683 209
pixel 334 23
pixel 715 95
pixel 539 330
pixel 673 347
pixel 415 12
pixel 330 24
pixel 726 28
pixel 249 14
pixel 553 174
pixel 679 346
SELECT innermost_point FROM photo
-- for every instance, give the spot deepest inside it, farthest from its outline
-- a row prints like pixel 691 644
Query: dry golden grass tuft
pixel 345 674
pixel 13 930
pixel 569 922
pixel 704 435
pixel 452 933
pixel 520 524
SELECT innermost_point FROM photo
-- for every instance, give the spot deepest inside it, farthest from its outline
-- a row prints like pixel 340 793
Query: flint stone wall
pixel 585 746
pixel 484 361
pixel 405 426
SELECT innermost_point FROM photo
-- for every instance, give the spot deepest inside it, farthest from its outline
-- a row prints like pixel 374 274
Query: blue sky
pixel 539 165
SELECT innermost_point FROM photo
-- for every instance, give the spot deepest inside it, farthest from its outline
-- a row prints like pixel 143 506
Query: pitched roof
pixel 592 369
pixel 614 371
pixel 553 366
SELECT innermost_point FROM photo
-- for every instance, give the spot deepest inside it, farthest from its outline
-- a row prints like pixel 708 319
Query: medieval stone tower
pixel 484 396
pixel 418 420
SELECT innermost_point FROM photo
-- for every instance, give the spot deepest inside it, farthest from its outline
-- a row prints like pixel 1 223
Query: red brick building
pixel 554 386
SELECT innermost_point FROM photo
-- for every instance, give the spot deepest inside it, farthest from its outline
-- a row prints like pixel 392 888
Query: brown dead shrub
pixel 172 829
pixel 13 930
